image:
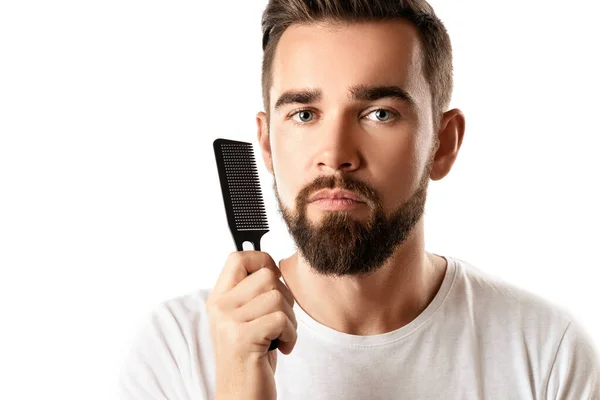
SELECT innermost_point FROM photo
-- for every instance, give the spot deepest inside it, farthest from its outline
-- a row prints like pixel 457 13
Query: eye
pixel 382 115
pixel 303 116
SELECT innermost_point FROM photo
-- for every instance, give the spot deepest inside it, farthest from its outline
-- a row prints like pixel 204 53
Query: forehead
pixel 335 56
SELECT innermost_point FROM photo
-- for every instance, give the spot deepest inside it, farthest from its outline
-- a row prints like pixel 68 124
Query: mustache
pixel 338 181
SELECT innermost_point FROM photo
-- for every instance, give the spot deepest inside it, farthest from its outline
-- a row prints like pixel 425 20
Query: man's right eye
pixel 303 116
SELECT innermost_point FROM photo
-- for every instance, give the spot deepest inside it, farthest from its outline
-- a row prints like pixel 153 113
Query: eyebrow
pixel 357 92
pixel 304 96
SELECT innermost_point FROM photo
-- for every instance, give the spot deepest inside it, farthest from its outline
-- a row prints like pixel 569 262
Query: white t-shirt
pixel 480 338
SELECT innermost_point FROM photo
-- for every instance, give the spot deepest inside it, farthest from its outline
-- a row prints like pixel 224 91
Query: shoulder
pixel 171 351
pixel 184 307
pixel 493 296
pixel 551 336
pixel 177 315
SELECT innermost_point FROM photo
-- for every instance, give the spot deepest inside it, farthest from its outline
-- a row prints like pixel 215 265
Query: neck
pixel 382 302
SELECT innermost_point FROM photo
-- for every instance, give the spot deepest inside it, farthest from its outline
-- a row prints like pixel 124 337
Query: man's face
pixel 350 110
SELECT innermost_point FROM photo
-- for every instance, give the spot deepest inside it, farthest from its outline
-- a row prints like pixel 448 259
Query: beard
pixel 340 245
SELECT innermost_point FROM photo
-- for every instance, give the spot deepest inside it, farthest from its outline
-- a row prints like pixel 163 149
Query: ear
pixel 450 134
pixel 263 140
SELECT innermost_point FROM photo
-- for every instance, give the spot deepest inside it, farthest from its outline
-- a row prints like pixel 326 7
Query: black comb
pixel 242 195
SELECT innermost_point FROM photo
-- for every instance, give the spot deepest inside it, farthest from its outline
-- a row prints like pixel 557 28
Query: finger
pixel 264 304
pixel 259 282
pixel 239 265
pixel 272 326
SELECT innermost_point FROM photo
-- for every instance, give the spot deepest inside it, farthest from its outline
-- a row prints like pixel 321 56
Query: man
pixel 356 123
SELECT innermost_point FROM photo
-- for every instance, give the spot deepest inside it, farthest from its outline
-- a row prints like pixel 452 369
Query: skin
pixel 345 137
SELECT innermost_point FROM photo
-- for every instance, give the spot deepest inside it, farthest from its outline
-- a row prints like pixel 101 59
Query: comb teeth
pixel 244 187
pixel 242 195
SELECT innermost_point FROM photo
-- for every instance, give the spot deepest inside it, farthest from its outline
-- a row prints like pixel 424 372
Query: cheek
pixel 287 168
pixel 394 158
pixel 395 172
pixel 290 147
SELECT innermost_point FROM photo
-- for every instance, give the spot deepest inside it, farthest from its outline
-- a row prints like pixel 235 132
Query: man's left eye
pixel 381 114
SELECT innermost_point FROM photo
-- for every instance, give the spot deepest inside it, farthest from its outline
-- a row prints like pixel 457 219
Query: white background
pixel 109 195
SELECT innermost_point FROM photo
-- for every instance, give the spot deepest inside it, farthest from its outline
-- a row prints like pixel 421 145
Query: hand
pixel 247 309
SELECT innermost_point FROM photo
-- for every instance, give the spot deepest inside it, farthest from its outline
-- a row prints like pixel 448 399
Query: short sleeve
pixel 575 372
pixel 154 369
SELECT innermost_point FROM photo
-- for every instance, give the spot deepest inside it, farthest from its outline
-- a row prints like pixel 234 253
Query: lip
pixel 329 194
pixel 328 204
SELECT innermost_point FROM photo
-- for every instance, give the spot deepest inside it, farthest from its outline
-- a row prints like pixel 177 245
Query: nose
pixel 337 148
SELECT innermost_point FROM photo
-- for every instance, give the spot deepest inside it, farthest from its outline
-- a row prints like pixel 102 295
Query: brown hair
pixel 435 41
